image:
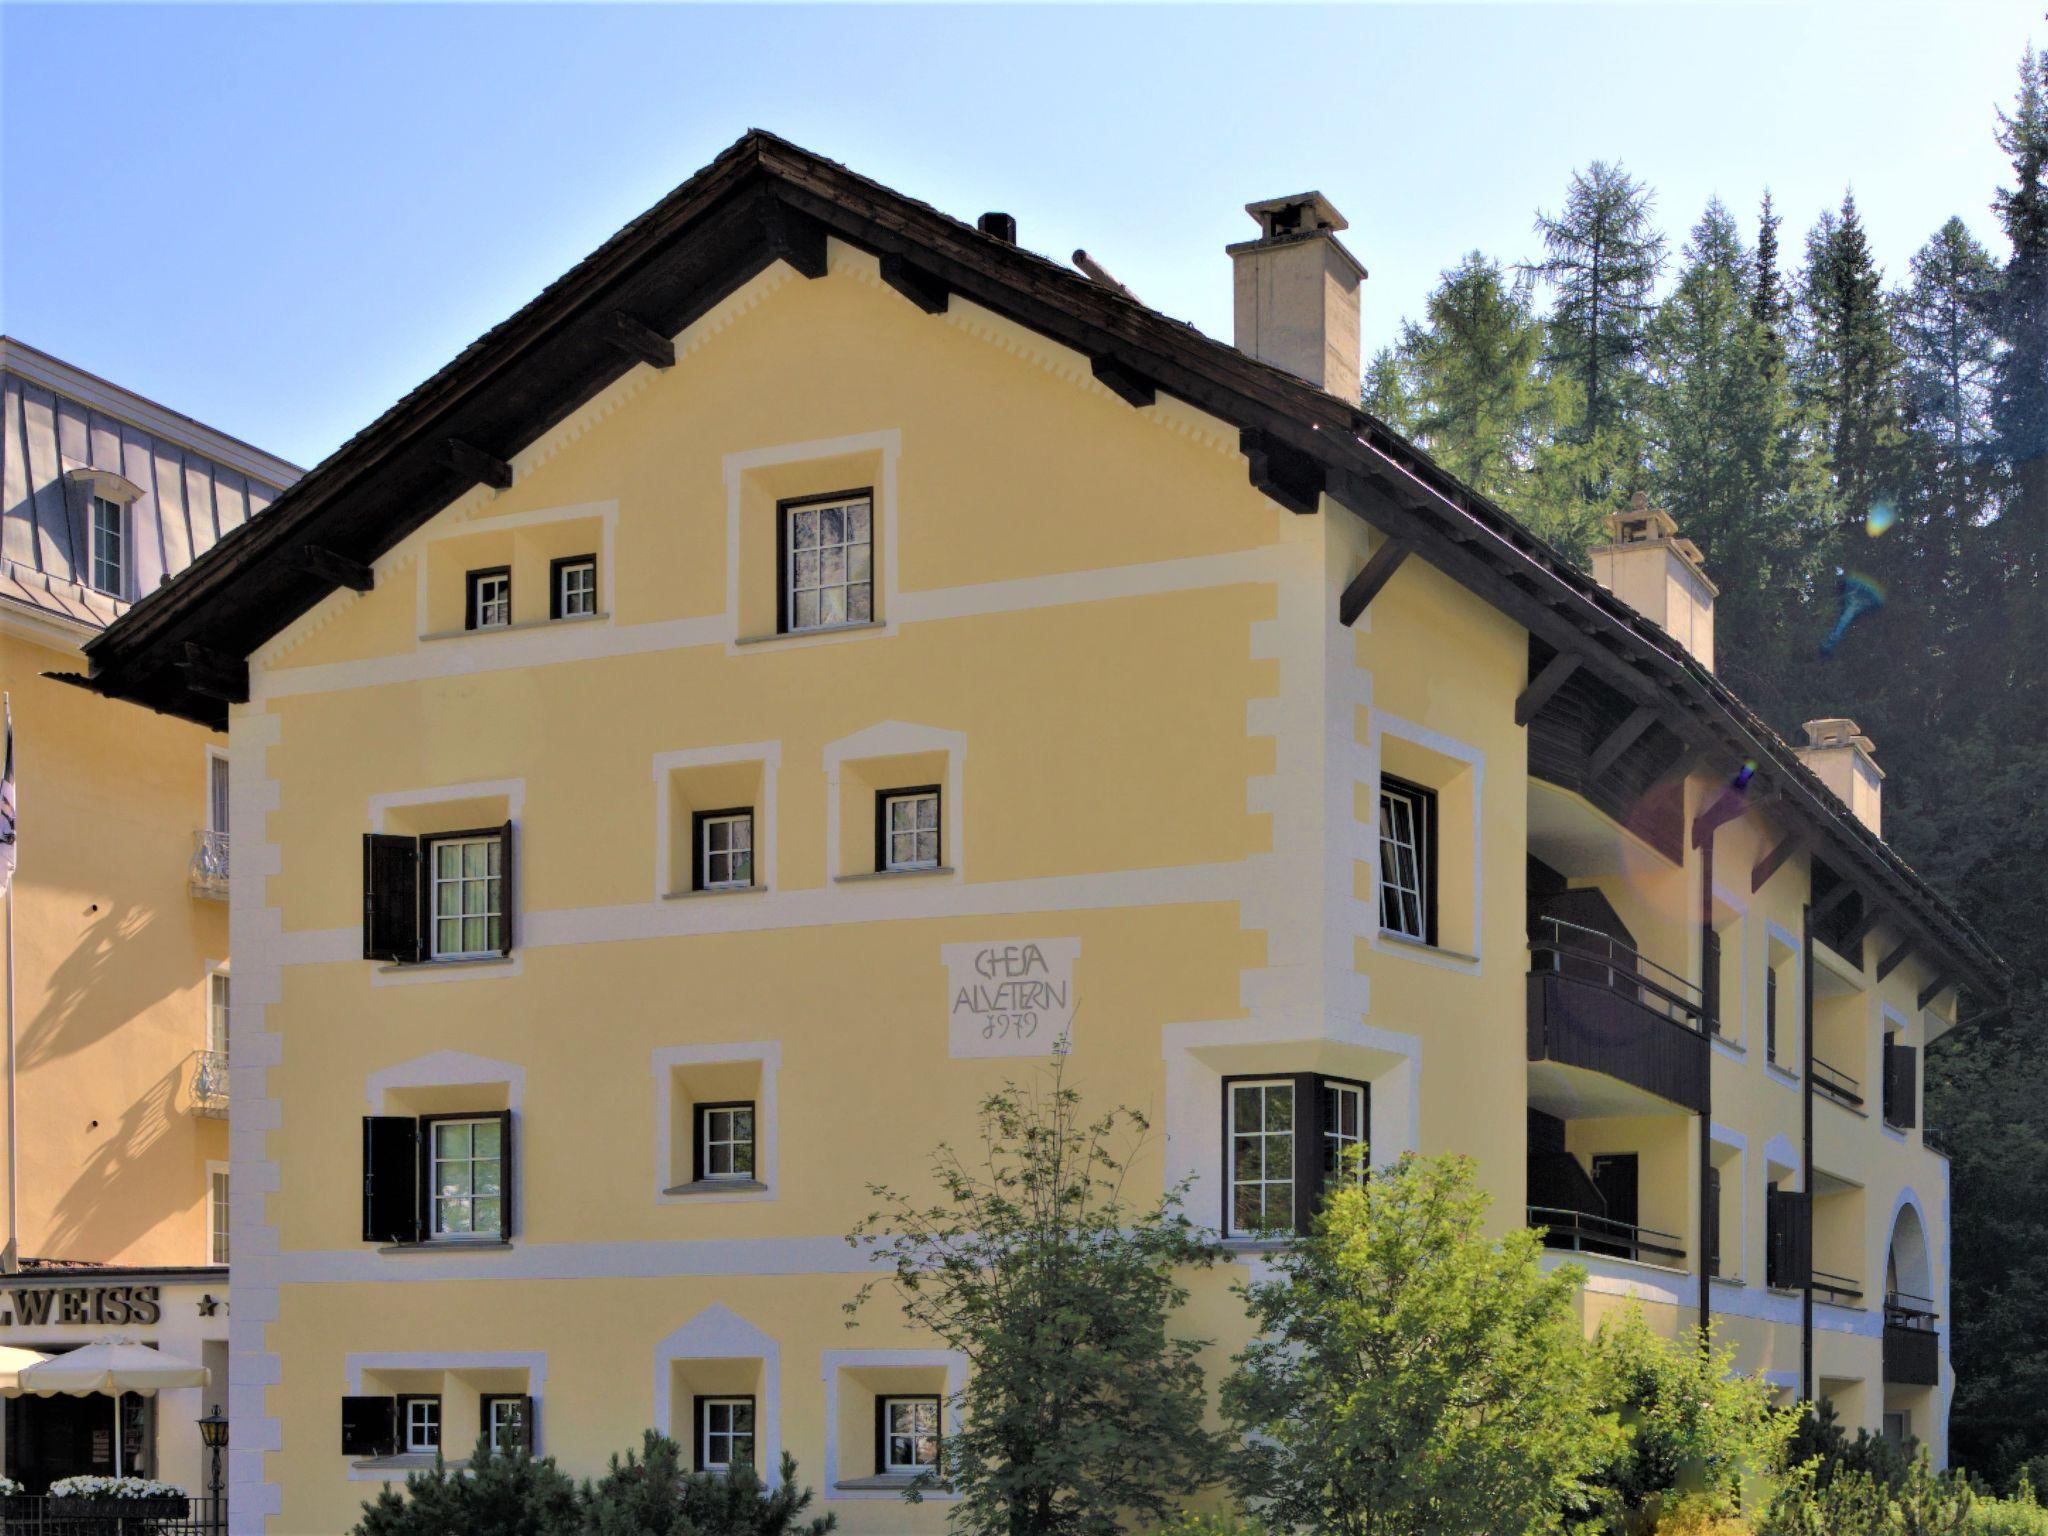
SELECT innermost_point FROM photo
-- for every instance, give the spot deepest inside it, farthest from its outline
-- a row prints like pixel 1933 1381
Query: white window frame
pixel 707 1434
pixel 417 1421
pixel 1264 1087
pixel 795 586
pixel 914 797
pixel 706 1140
pixel 219 1014
pixel 108 521
pixel 219 1209
pixel 576 580
pixel 492 910
pixel 1335 1142
pixel 476 603
pixel 219 778
pixel 492 1423
pixel 706 854
pixel 437 1232
pixel 1397 893
pixel 891 1467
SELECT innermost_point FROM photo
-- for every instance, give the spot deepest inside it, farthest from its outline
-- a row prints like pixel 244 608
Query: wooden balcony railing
pixel 1912 1343
pixel 1585 1232
pixel 1597 1004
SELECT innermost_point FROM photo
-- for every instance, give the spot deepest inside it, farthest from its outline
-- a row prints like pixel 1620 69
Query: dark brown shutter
pixel 697 1434
pixel 1713 1221
pixel 507 889
pixel 369 1426
pixel 1308 1149
pixel 881 1434
pixel 1789 1259
pixel 1901 1088
pixel 1710 978
pixel 391 1212
pixel 391 898
pixel 526 1422
pixel 508 1162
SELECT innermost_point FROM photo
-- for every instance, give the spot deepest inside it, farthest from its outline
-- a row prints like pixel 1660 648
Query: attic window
pixel 109 546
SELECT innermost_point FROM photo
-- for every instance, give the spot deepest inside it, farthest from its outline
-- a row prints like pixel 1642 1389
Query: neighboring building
pixel 119 911
pixel 816 656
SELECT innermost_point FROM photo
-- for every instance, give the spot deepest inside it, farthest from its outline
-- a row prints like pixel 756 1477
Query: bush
pixel 2019 1516
pixel 1190 1523
pixel 498 1494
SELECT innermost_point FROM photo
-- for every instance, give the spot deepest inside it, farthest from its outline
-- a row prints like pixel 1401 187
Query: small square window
pixel 108 546
pixel 466 1177
pixel 725 850
pixel 910 1434
pixel 1407 860
pixel 725 1141
pixel 828 562
pixel 467 899
pixel 907 833
pixel 573 594
pixel 725 1433
pixel 490 598
pixel 505 1422
pixel 420 1423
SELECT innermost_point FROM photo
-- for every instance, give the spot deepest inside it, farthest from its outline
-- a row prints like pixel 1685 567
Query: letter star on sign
pixel 1009 997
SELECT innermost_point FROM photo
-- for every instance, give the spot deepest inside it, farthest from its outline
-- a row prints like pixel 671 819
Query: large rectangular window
pixel 827 562
pixel 490 598
pixel 1407 860
pixel 467 898
pixel 907 828
pixel 1288 1139
pixel 725 850
pixel 109 547
pixel 466 1177
pixel 725 1433
pixel 725 1141
pixel 909 1435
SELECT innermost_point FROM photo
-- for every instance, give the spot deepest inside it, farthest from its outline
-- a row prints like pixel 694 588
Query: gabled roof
pixel 60 426
pixel 182 649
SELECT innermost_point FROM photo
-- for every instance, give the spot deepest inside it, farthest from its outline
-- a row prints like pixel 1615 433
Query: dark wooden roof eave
pixel 240 593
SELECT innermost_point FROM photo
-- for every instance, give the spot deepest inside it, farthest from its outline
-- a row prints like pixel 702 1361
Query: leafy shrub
pixel 653 1495
pixel 1190 1523
pixel 2019 1516
pixel 498 1494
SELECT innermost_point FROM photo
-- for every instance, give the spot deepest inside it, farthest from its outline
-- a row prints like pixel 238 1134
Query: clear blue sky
pixel 279 219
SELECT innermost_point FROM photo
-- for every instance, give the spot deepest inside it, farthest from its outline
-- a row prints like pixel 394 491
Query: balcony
pixel 208 874
pixel 1596 1006
pixel 1585 1232
pixel 1837 1084
pixel 210 1083
pixel 1912 1344
pixel 1836 1290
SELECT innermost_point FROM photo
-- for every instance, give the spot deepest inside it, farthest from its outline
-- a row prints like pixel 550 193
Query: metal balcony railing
pixel 38 1515
pixel 1912 1345
pixel 209 871
pixel 1590 955
pixel 1838 1289
pixel 210 1083
pixel 1586 1232
pixel 1596 1004
pixel 1837 1084
pixel 1902 1309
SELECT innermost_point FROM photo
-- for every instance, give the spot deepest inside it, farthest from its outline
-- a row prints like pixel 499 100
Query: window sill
pixel 410 1461
pixel 811 634
pixel 1423 946
pixel 891 1482
pixel 1728 1047
pixel 450 1245
pixel 1255 1245
pixel 716 890
pixel 893 874
pixel 413 967
pixel 718 1187
pixel 1783 1074
pixel 513 629
pixel 1733 1282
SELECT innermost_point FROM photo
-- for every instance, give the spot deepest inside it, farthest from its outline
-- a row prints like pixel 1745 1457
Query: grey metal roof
pixel 196 485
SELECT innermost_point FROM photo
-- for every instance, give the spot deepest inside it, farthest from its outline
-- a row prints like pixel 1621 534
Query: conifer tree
pixel 1603 256
pixel 1848 364
pixel 2020 391
pixel 1767 289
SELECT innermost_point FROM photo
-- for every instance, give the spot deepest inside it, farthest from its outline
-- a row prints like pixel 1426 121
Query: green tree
pixel 1603 256
pixel 1848 363
pixel 499 1494
pixel 2020 390
pixel 1767 303
pixel 1411 1377
pixel 1691 1426
pixel 1472 376
pixel 1385 391
pixel 1033 1262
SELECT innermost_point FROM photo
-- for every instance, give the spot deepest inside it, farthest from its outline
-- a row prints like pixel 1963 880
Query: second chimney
pixel 1649 566
pixel 1843 758
pixel 1295 293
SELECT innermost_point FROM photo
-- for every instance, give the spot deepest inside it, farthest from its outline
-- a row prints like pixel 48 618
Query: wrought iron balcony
pixel 1837 1084
pixel 209 872
pixel 1597 1004
pixel 1585 1232
pixel 210 1083
pixel 1912 1344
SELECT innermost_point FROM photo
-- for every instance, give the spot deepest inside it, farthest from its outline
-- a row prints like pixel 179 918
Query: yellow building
pixel 119 1180
pixel 817 655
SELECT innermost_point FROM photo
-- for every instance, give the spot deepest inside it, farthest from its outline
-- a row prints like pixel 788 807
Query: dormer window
pixel 108 566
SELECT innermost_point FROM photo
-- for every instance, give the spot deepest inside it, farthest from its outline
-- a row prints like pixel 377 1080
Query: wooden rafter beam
pixel 323 562
pixel 795 237
pixel 214 674
pixel 1289 476
pixel 1543 687
pixel 1895 959
pixel 1618 741
pixel 1827 905
pixel 637 339
pixel 1127 384
pixel 1935 988
pixel 1855 936
pixel 1774 861
pixel 922 288
pixel 1365 586
pixel 468 459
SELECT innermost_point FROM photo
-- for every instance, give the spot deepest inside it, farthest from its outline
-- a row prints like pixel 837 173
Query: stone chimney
pixel 1844 759
pixel 1649 566
pixel 1296 293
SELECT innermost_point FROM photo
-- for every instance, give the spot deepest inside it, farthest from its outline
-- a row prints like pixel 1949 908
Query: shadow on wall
pixel 140 1176
pixel 99 986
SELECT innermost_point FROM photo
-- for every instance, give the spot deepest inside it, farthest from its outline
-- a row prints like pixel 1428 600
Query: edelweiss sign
pixel 1009 997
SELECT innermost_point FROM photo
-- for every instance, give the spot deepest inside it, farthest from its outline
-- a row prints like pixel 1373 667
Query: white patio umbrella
pixel 113 1366
pixel 12 1363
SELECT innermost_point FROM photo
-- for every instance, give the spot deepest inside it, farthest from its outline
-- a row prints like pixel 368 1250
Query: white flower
pixel 9 1488
pixel 93 1486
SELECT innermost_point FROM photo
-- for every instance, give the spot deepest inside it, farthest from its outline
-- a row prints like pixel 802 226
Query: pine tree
pixel 1603 256
pixel 1848 366
pixel 1767 290
pixel 2020 390
pixel 1384 391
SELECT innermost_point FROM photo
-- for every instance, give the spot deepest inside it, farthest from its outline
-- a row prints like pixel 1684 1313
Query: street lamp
pixel 213 1434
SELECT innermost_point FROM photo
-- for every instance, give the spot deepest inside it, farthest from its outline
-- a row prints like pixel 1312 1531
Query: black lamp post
pixel 213 1434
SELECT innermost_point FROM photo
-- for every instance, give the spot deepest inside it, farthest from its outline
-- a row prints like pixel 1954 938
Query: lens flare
pixel 1744 774
pixel 1882 515
pixel 1860 595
